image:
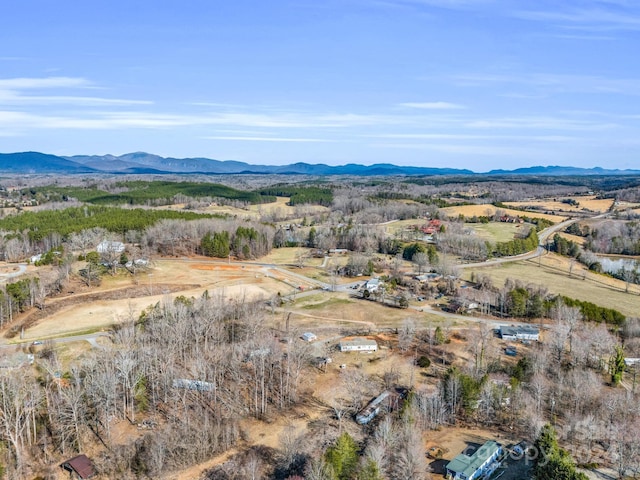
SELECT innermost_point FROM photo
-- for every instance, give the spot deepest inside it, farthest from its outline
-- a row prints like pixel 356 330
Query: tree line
pixel 139 192
pixel 41 224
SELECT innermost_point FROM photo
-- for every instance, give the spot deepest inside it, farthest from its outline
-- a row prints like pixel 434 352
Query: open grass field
pixel 553 273
pixel 290 255
pixel 623 206
pixel 488 209
pixel 590 203
pixel 216 210
pixel 496 231
pixel 339 309
pixel 401 226
pixel 574 238
pixel 197 276
pixel 281 207
pixel 278 207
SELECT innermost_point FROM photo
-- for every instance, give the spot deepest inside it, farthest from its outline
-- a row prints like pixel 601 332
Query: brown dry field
pixel 488 209
pixel 622 206
pixel 574 238
pixel 281 206
pixel 216 209
pixel 328 310
pixel 322 310
pixel 589 202
pixel 217 278
pixel 289 256
pixel 554 274
pixel 253 211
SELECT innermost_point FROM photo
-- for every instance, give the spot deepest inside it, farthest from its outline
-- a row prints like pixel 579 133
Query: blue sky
pixel 476 84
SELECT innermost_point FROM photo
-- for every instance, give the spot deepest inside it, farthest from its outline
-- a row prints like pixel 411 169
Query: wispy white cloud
pixel 433 105
pixel 12 98
pixel 540 123
pixel 588 16
pixel 267 139
pixel 464 137
pixel 122 119
pixel 25 83
pixel 11 92
pixel 449 4
pixel 298 120
pixel 554 82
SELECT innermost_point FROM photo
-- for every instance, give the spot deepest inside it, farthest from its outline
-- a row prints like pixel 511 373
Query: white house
pixel 372 285
pixel 107 246
pixel 358 344
pixel 519 332
pixel 309 337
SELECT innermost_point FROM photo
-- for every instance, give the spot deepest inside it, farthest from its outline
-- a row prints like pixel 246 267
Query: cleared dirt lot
pixel 122 297
pixel 82 312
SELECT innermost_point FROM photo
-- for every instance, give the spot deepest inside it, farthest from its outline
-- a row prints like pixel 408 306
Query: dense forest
pixel 145 193
pixel 46 223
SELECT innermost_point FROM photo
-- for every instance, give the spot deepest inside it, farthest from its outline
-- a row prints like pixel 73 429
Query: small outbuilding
pixel 358 344
pixel 80 466
pixel 309 337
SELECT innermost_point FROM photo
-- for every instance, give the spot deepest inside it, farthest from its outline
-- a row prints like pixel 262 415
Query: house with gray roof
pixel 480 463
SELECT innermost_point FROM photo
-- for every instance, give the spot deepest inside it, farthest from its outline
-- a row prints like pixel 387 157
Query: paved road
pixel 22 268
pixel 543 236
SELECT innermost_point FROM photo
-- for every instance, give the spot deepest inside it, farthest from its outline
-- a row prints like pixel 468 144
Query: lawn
pixel 591 203
pixel 281 207
pixel 553 273
pixel 488 209
pixel 496 231
pixel 338 308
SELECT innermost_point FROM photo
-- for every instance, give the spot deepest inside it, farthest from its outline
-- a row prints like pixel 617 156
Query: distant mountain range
pixel 147 163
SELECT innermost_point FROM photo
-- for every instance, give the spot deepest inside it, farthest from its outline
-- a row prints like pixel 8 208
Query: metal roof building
pixel 358 344
pixel 519 332
pixel 470 467
pixel 79 465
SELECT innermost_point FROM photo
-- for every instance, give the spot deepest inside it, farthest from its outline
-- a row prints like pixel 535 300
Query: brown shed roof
pixel 79 464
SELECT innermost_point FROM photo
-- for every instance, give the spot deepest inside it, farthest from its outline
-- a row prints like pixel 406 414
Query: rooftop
pixel 519 329
pixel 469 464
pixel 358 341
pixel 79 464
